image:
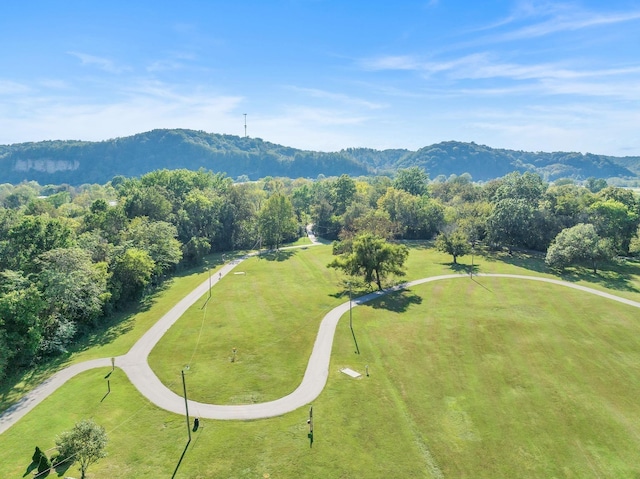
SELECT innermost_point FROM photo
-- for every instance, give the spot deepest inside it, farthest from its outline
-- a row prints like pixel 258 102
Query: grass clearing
pixel 486 378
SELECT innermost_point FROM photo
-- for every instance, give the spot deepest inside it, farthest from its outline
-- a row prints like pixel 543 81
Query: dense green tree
pixel 509 223
pixel 85 444
pixel 596 184
pixel 415 216
pixel 323 217
pixel 471 218
pixel 132 271
pixel 239 217
pixel 376 222
pixel 72 285
pixel 158 238
pixel 21 195
pixel 200 215
pixel 32 236
pixel 455 243
pixel 623 195
pixel 301 200
pixel 194 250
pixel 568 203
pixel 277 222
pixel 110 220
pixel 413 180
pixel 579 244
pixel 526 186
pixel 456 189
pixel 149 201
pixel 615 221
pixel 372 258
pixel 20 327
pixel 344 192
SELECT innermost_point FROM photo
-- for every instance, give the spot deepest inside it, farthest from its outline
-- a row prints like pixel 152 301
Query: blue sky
pixel 326 75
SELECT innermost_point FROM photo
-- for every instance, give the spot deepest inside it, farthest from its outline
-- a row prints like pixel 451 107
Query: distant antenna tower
pixel 245 125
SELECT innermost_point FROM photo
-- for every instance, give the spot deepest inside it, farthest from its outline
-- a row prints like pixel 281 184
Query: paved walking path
pixel 137 368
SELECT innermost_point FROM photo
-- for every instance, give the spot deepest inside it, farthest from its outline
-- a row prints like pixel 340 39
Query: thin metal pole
pixel 186 405
pixel 350 315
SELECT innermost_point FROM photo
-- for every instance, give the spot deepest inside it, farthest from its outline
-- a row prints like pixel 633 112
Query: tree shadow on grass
pixel 397 302
pixel 618 277
pixel 418 244
pixel 31 467
pixel 461 267
pixel 62 467
pixel 278 255
pixel 531 260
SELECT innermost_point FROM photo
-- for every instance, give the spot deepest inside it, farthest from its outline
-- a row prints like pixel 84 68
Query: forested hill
pixel 78 162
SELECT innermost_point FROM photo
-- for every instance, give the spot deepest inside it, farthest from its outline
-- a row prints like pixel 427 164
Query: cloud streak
pixel 548 18
pixel 101 63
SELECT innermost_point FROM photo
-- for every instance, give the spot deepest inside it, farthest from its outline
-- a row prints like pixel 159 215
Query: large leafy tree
pixel 371 258
pixel 132 271
pixel 527 186
pixel 85 443
pixel 415 216
pixel 73 286
pixel 20 326
pixel 510 222
pixel 413 180
pixel 30 237
pixel 614 220
pixel 277 221
pixel 344 189
pixel 158 238
pixel 579 244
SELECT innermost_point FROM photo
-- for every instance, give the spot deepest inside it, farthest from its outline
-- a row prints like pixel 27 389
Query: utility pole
pixel 245 125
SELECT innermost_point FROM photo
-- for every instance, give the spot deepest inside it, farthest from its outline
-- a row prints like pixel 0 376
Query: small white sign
pixel 350 372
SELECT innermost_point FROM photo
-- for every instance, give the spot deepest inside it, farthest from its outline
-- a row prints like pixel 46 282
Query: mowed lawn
pixel 468 378
pixel 269 309
pixel 509 378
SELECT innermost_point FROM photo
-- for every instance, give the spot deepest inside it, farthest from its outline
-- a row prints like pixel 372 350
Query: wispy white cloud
pixel 60 117
pixel 101 63
pixel 391 62
pixel 558 78
pixel 560 24
pixel 532 19
pixel 8 87
pixel 338 97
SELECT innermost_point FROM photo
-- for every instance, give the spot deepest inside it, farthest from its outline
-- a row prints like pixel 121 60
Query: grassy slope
pixel 491 386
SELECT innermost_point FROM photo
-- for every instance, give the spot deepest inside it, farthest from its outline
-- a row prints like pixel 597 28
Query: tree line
pixel 70 256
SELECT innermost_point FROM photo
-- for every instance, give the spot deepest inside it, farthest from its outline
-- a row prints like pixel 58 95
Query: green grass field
pixel 468 378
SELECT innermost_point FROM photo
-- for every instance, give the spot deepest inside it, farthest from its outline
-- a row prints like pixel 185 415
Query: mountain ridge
pixel 76 162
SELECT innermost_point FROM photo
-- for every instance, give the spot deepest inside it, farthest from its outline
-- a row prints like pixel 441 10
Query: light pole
pixel 350 315
pixel 473 251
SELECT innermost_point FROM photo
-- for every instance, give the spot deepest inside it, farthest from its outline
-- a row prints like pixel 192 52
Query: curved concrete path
pixel 137 368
